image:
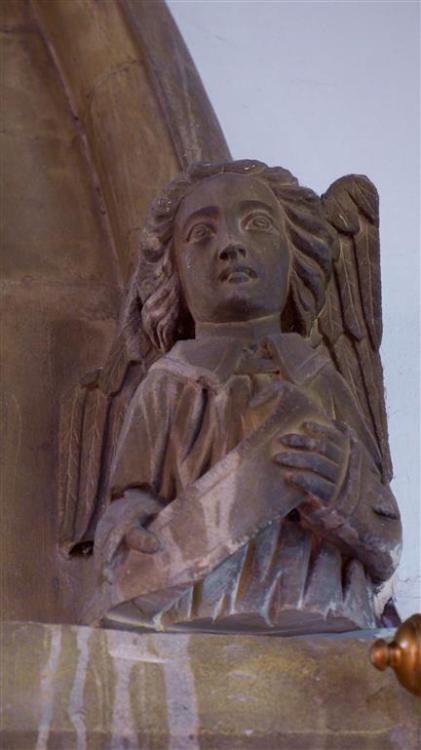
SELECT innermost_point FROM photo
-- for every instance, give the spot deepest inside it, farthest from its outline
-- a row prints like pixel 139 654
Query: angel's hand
pixel 123 522
pixel 317 462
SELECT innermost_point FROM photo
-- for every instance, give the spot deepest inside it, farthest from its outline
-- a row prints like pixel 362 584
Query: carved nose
pixel 232 251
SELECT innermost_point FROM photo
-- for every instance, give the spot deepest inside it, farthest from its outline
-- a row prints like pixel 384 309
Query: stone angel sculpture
pixel 230 463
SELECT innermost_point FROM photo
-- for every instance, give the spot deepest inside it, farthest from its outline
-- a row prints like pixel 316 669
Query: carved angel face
pixel 231 250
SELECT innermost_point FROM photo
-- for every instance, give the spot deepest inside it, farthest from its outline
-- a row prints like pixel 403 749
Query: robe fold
pixel 195 405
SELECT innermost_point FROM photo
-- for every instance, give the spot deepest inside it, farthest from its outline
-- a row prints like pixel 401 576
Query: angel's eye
pixel 260 222
pixel 199 232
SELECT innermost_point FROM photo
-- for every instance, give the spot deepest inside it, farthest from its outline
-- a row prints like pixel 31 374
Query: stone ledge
pixel 79 688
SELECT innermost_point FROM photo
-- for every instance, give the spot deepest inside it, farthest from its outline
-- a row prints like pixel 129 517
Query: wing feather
pixel 94 423
pixel 351 320
pixel 367 248
pixel 348 289
pixel 331 323
pixel 70 441
pixel 349 367
pixel 372 372
pixel 91 425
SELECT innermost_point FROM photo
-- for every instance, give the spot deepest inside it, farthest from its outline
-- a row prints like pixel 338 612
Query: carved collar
pixel 216 358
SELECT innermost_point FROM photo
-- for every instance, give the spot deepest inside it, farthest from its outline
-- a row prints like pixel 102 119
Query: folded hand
pixel 124 521
pixel 318 460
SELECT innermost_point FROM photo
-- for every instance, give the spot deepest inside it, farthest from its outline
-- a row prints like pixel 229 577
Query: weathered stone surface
pixel 50 333
pixel 85 147
pixel 107 69
pixel 59 299
pixel 115 103
pixel 72 688
pixel 52 228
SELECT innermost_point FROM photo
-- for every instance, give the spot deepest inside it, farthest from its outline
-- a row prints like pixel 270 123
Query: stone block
pixel 73 688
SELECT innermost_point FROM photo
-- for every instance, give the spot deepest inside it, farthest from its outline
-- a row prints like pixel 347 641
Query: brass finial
pixel 403 654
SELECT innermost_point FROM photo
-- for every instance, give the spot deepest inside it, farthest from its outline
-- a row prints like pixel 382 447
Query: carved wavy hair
pixel 311 240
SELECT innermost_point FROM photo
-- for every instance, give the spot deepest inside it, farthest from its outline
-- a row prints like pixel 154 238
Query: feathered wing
pixel 90 422
pixel 351 320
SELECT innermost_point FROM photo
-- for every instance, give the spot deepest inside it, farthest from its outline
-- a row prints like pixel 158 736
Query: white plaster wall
pixel 325 89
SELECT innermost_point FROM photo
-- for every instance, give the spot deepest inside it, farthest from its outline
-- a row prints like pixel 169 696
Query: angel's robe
pixel 193 407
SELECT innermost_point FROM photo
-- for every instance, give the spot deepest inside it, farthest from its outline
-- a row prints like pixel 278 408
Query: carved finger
pixel 321 465
pixel 129 512
pixel 315 428
pixel 314 444
pixel 142 540
pixel 294 440
pixel 105 552
pixel 313 485
pixel 334 434
pixel 341 426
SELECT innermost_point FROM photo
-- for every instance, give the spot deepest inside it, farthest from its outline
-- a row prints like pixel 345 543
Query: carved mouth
pixel 237 274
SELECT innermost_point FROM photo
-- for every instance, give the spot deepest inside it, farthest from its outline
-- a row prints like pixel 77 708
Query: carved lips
pixel 237 274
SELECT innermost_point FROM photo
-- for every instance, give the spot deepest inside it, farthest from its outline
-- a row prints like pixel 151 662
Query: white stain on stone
pixel 182 711
pixel 76 707
pixel 124 735
pixel 47 688
pixel 132 647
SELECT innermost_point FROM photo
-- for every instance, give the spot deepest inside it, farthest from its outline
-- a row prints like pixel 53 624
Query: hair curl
pixel 311 240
